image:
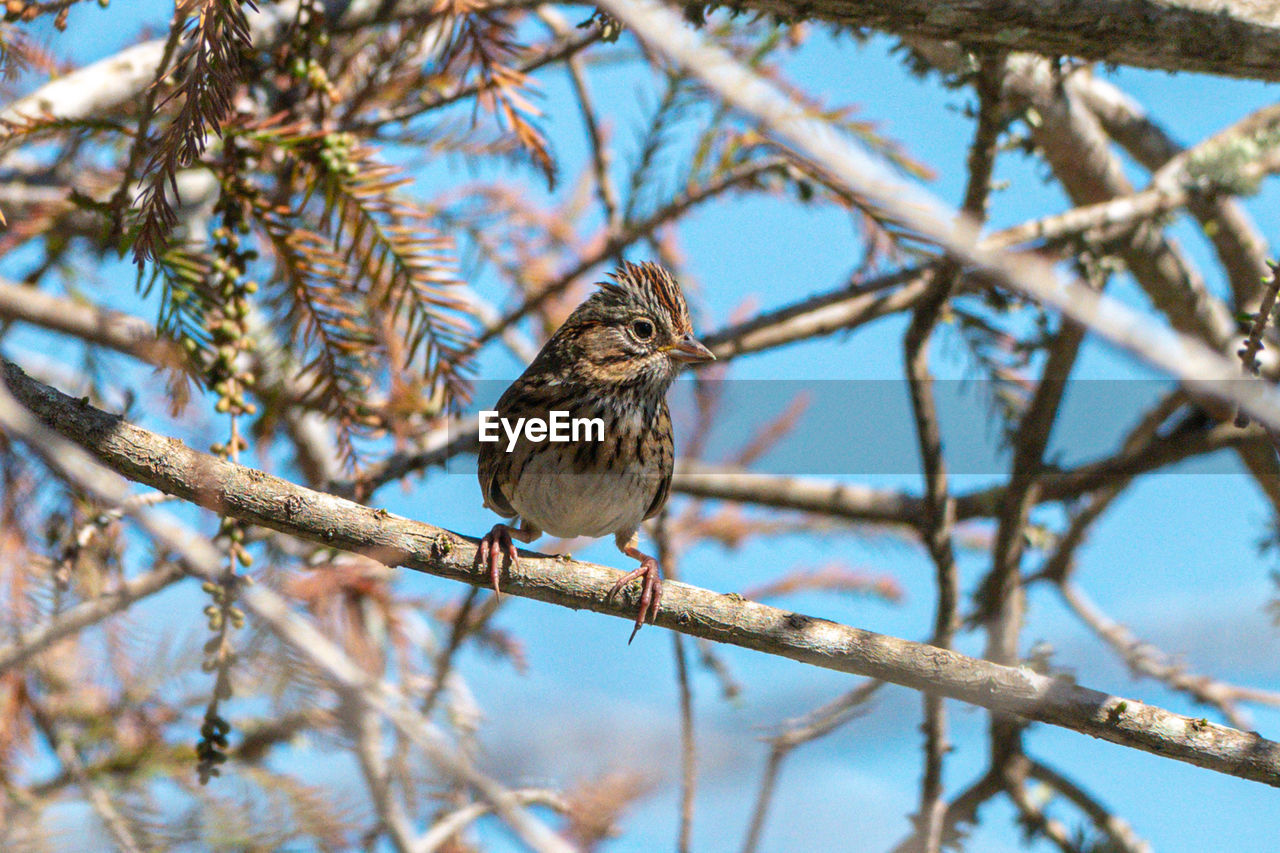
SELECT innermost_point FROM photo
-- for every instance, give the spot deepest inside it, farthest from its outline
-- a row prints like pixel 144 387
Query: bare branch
pixel 365 731
pixel 812 726
pixel 668 559
pixel 1240 245
pixel 844 308
pixel 1237 38
pixel 1174 185
pixel 1142 658
pixel 741 174
pixel 115 330
pixel 87 613
pixel 1116 828
pixel 601 153
pixel 863 503
pixel 454 822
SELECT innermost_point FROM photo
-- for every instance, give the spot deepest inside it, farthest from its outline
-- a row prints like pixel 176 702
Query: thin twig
pixel 613 243
pixel 87 613
pixel 1116 827
pixel 140 140
pixel 1240 245
pixel 1253 343
pixel 1143 658
pixel 67 753
pixel 812 726
pixel 451 824
pixel 1035 821
pixel 563 48
pixel 939 515
pixel 668 559
pixel 688 747
pixel 856 502
pixel 962 809
pixel 601 153
pixel 797 732
pixel 1059 564
pixel 366 734
pixel 443 664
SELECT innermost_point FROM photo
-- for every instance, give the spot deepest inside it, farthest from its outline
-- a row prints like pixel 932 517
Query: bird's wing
pixel 495 462
pixel 490 486
pixel 666 463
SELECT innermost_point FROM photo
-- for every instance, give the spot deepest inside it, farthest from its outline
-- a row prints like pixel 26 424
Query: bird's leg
pixel 497 542
pixel 650 587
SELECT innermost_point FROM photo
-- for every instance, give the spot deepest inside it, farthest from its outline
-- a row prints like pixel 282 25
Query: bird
pixel 613 358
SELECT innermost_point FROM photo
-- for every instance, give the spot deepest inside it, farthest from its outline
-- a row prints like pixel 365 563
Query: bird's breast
pixel 591 488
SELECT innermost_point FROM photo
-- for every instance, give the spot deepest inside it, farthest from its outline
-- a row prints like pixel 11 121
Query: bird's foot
pixel 650 591
pixel 493 546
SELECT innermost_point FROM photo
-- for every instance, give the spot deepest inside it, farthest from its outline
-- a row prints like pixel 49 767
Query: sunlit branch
pixel 258 498
pixel 1235 38
pixel 1145 659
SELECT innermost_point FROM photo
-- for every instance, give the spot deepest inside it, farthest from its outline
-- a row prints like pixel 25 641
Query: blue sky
pixel 1175 559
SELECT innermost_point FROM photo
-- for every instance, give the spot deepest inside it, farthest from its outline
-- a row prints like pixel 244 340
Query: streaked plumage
pixel 614 358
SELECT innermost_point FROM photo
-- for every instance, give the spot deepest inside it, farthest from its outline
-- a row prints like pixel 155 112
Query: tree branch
pixel 259 498
pixel 1240 245
pixel 87 613
pixel 1231 37
pixel 884 506
pixel 112 329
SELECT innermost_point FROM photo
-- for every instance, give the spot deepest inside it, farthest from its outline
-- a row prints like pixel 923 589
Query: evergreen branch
pixel 208 79
pixel 556 51
pixel 323 320
pixel 402 272
pixel 25 129
pixel 484 44
pixel 678 98
pixel 372 292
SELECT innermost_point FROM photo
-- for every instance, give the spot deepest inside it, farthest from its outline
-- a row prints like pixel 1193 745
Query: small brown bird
pixel 613 359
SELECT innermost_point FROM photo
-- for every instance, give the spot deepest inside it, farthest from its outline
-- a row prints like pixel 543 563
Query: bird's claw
pixel 650 592
pixel 496 543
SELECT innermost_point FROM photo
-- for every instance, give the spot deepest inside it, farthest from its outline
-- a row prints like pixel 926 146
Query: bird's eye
pixel 642 329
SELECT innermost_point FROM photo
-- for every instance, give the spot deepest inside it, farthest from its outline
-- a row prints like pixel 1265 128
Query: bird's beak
pixel 690 350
